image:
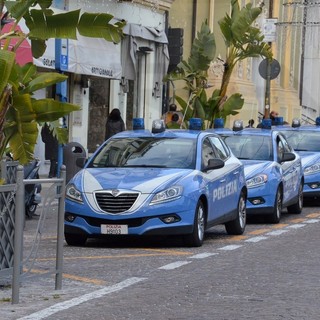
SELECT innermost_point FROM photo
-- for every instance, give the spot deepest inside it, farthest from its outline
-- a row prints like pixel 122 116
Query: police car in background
pixel 273 170
pixel 159 182
pixel 305 140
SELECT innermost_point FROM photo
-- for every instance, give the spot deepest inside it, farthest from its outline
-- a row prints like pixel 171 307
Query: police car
pixel 273 170
pixel 158 182
pixel 305 141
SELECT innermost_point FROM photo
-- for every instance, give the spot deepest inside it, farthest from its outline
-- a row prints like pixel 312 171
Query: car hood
pixel 144 180
pixel 254 167
pixel 309 158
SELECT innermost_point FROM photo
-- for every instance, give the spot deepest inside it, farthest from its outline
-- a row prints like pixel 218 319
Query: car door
pixel 290 170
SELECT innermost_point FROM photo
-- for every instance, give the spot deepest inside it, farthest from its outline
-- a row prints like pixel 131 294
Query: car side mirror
pixel 214 164
pixel 288 156
pixel 80 162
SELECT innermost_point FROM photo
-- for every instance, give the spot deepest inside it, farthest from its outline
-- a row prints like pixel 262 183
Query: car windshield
pixel 303 140
pixel 146 152
pixel 250 147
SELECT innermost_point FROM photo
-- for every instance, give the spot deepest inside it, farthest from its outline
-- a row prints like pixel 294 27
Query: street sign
pixel 61 54
pixel 274 69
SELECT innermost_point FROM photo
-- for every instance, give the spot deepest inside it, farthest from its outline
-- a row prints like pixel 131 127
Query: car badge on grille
pixel 115 192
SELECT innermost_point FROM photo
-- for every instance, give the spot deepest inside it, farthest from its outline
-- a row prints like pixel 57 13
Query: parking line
pixel 276 232
pixel 296 226
pixel 298 220
pixel 230 247
pixel 256 239
pixel 174 265
pixel 203 255
pixel 84 298
pixel 313 215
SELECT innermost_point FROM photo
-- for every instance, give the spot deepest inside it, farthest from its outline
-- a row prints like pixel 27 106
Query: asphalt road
pixel 271 272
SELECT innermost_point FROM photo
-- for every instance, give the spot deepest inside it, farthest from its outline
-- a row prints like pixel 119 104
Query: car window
pixel 146 152
pixel 303 140
pixel 250 147
pixel 207 152
pixel 219 147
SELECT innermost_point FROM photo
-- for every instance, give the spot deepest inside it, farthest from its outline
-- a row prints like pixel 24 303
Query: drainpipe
pixel 194 20
pixel 303 44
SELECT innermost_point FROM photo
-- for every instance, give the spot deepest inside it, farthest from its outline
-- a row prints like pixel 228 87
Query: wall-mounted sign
pixel 270 30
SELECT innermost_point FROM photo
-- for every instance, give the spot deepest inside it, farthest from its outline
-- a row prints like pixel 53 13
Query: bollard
pixel 18 235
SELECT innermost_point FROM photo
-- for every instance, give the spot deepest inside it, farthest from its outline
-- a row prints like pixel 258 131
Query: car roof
pixel 172 133
pixel 245 131
pixel 307 127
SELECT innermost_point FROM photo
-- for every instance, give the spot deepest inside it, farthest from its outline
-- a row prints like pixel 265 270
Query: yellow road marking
pixel 313 215
pixel 298 220
pixel 70 276
pixel 260 231
pixel 280 225
pixel 237 238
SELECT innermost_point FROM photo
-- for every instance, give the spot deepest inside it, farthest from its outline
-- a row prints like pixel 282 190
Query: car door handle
pixel 222 180
pixel 237 172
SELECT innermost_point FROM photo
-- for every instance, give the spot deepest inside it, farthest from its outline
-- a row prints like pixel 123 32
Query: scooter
pixel 32 191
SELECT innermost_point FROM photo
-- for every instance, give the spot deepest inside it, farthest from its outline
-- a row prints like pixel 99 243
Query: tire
pixel 30 210
pixel 75 239
pixel 195 239
pixel 298 206
pixel 276 214
pixel 238 225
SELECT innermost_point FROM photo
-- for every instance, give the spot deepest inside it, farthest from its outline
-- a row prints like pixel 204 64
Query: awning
pixel 23 54
pixel 89 56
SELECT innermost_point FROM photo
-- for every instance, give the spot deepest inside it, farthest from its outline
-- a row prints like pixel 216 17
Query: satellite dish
pixel 274 69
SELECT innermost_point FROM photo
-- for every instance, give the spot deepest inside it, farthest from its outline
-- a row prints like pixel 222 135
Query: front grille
pixel 116 204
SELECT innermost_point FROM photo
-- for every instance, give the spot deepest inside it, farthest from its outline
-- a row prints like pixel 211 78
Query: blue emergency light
pixel 218 123
pixel 266 123
pixel 278 121
pixel 195 124
pixel 317 121
pixel 138 124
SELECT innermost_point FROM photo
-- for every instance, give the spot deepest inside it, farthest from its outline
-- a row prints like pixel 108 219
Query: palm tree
pixel 242 41
pixel 20 113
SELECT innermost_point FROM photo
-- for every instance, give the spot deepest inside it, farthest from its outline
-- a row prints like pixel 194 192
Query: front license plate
pixel 114 229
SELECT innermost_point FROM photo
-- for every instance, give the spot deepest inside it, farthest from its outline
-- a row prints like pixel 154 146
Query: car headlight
pixel 73 193
pixel 169 194
pixel 257 181
pixel 312 169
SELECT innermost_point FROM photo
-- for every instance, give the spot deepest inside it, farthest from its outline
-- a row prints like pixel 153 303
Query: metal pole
pixel 18 235
pixel 267 101
pixel 60 231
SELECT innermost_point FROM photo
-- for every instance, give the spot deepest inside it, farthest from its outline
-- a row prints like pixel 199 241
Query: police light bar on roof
pixel 266 123
pixel 278 121
pixel 317 121
pixel 237 125
pixel 195 124
pixel 295 123
pixel 158 126
pixel 218 123
pixel 138 124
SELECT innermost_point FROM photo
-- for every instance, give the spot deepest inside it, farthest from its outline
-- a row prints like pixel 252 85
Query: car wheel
pixel 276 214
pixel 297 207
pixel 238 225
pixel 195 239
pixel 75 239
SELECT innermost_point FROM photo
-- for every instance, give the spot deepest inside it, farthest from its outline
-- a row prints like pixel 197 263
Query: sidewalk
pixel 37 289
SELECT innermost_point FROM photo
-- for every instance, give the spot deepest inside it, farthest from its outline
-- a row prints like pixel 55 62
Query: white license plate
pixel 114 229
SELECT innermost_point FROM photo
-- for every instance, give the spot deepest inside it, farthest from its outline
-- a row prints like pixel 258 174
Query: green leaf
pixel 233 103
pixel 48 110
pixel 44 80
pixel 7 60
pixel 61 26
pixel 97 25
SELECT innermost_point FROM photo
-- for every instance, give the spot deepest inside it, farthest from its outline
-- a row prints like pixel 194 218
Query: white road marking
pixel 230 247
pixel 276 232
pixel 296 226
pixel 203 255
pixel 84 298
pixel 174 265
pixel 256 239
pixel 312 221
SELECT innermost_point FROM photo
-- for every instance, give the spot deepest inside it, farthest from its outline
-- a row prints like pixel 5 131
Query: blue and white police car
pixel 158 182
pixel 273 170
pixel 305 140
